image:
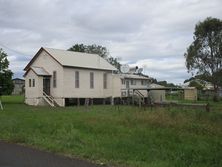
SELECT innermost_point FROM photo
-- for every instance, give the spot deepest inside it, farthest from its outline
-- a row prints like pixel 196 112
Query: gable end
pixel 35 57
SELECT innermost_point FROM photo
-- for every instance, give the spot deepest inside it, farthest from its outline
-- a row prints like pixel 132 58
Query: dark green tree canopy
pixel 6 84
pixel 204 55
pixel 166 84
pixel 4 63
pixel 78 48
pixel 96 49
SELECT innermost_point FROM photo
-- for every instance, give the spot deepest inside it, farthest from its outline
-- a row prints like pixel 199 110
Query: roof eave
pixel 33 59
pixel 102 69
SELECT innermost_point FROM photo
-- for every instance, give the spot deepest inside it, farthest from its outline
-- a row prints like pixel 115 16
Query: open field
pixel 127 136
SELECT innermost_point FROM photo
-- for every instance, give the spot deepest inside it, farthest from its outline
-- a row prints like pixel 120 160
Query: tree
pixel 204 55
pixel 6 84
pixel 114 62
pixel 166 84
pixel 196 84
pixel 96 49
pixel 78 48
pixel 93 49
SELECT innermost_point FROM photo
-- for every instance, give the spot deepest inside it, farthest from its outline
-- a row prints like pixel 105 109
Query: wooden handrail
pixel 48 97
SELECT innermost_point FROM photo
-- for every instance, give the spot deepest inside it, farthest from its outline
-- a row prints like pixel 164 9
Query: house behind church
pixel 19 86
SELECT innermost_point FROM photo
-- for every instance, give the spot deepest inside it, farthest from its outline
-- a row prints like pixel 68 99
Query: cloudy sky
pixel 152 34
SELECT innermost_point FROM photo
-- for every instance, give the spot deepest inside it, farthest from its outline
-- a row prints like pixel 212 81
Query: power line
pixel 13 50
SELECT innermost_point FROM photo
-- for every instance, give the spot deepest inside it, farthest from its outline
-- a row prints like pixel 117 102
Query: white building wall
pixel 84 90
pixel 116 83
pixel 32 93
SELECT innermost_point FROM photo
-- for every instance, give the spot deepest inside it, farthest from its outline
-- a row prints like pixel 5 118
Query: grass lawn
pixel 163 137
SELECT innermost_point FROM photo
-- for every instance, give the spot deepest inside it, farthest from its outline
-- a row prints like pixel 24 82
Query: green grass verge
pixel 12 99
pixel 163 137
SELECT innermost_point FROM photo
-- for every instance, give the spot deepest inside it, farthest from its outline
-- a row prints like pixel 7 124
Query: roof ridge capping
pixel 62 50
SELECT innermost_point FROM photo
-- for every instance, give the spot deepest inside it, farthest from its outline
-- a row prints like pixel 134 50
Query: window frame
pixel 91 80
pixel 76 79
pixel 54 79
pixel 133 82
pixel 123 81
pixel 105 78
pixel 143 82
pixel 33 82
pixel 30 83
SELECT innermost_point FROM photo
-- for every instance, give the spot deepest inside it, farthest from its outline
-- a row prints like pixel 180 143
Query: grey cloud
pixel 137 31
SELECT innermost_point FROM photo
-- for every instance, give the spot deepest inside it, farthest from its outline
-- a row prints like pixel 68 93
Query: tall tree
pixel 6 84
pixel 204 55
pixel 96 49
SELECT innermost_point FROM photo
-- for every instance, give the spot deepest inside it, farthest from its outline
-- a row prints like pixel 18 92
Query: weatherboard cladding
pixel 76 59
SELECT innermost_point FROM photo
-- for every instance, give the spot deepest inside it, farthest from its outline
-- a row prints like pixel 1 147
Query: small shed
pixel 190 93
pixel 157 96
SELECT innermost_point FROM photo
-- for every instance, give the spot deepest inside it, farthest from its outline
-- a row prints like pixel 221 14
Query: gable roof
pixel 75 59
pixel 38 71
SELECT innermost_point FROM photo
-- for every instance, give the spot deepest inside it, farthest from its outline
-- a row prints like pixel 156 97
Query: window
pixel 77 79
pixel 30 83
pixel 91 80
pixel 143 82
pixel 133 82
pixel 54 79
pixel 33 83
pixel 123 81
pixel 105 80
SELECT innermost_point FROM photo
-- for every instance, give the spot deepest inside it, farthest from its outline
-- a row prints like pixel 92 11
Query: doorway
pixel 46 85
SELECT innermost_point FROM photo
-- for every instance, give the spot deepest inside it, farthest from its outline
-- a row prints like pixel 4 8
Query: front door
pixel 46 85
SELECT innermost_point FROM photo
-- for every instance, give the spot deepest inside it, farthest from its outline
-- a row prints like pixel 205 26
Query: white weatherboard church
pixel 54 76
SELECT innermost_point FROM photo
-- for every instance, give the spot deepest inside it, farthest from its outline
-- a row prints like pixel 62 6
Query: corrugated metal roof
pixel 133 76
pixel 40 71
pixel 78 59
pixel 153 85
